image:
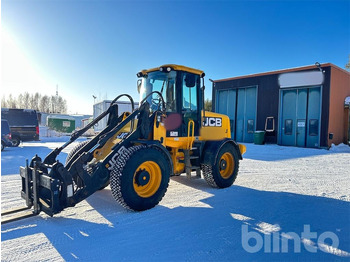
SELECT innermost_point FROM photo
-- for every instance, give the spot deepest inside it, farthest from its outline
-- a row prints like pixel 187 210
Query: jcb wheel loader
pixel 137 153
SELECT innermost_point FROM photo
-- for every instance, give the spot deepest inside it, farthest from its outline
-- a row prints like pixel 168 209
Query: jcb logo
pixel 212 121
pixel 122 135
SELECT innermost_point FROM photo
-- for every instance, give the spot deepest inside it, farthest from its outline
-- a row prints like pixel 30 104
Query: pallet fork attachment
pixel 35 184
pixel 29 193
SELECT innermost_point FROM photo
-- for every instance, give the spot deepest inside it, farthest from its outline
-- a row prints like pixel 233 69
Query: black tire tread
pixel 117 172
pixel 17 141
pixel 76 149
pixel 208 173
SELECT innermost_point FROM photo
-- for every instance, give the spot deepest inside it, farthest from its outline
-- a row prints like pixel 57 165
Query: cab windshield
pixel 163 83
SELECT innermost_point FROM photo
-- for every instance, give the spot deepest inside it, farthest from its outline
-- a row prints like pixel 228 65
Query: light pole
pixel 94 98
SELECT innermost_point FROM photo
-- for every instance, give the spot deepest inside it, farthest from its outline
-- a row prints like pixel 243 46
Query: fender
pixel 160 147
pixel 211 149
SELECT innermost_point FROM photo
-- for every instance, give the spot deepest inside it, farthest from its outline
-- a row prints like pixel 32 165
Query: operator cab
pixel 182 93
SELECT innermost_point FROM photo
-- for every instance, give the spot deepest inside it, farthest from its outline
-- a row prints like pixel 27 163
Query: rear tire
pixel 2 146
pixel 15 141
pixel 140 177
pixel 224 171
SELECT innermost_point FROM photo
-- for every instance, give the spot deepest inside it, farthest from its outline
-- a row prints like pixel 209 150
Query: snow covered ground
pixel 281 194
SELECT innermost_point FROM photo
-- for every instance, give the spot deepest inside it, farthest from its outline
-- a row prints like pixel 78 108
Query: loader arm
pixel 50 186
pixel 112 112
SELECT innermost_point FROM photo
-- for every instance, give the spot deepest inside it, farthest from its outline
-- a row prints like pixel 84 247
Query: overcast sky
pixel 96 47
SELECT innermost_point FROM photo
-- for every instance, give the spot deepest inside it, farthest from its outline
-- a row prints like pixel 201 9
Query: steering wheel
pixel 156 103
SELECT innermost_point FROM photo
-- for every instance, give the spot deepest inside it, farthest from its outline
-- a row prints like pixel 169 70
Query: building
pixel 302 106
pixel 100 107
pixel 43 118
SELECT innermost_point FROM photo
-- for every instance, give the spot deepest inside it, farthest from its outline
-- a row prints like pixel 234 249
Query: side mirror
pixel 139 82
pixel 190 80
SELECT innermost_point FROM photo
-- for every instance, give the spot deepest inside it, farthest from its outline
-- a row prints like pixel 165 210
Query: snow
pixel 341 148
pixel 46 132
pixel 279 193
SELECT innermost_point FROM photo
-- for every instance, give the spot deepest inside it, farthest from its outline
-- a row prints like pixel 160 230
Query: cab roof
pixel 176 68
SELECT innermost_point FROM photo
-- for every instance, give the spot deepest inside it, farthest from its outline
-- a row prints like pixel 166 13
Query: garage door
pixel 240 106
pixel 300 123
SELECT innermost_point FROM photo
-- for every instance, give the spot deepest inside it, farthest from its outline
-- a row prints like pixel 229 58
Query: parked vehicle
pixel 24 124
pixel 5 134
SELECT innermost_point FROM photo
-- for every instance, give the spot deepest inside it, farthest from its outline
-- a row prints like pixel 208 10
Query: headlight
pixel 165 69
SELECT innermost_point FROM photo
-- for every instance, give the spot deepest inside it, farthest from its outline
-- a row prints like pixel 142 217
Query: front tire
pixel 140 177
pixel 224 171
pixel 75 150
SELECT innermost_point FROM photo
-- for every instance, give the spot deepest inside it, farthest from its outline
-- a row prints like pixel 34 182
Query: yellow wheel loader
pixel 169 134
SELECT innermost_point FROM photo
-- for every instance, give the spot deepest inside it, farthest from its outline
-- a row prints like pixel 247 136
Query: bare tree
pixel 61 105
pixel 53 104
pixel 31 101
pixel 20 102
pixel 46 104
pixel 347 66
pixel 11 102
pixel 208 105
pixel 26 100
pixel 3 101
pixel 36 99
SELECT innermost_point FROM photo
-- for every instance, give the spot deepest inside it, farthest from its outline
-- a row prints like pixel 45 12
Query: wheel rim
pixel 147 179
pixel 226 165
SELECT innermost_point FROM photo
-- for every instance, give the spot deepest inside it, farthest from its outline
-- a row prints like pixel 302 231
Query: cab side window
pixel 189 92
pixel 170 96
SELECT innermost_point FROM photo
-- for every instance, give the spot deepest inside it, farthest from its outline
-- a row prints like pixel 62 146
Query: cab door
pixel 190 102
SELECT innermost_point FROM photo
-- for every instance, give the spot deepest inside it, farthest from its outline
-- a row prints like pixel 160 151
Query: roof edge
pixel 293 69
pixel 177 68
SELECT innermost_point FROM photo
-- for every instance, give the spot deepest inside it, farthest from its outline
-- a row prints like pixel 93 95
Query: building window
pixel 250 126
pixel 288 127
pixel 270 124
pixel 313 127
